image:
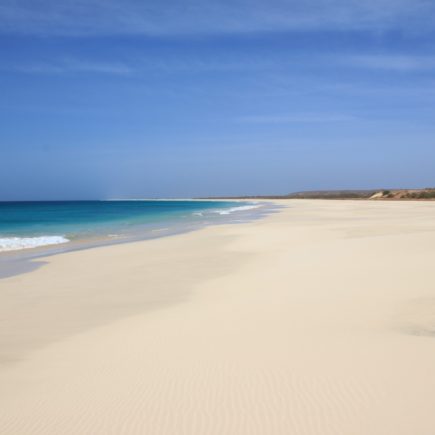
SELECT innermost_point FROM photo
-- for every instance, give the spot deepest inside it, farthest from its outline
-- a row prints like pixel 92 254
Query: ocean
pixel 76 224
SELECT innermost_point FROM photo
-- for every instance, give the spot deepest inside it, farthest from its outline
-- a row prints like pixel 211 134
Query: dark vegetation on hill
pixel 316 194
pixel 333 194
pixel 428 193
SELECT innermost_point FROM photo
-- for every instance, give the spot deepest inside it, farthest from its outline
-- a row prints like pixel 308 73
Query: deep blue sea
pixel 27 225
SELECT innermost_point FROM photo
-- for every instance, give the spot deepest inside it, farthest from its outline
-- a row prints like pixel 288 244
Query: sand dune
pixel 319 319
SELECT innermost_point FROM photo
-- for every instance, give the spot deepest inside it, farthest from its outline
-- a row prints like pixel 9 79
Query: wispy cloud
pixel 138 64
pixel 392 62
pixel 67 66
pixel 134 64
pixel 154 17
pixel 304 118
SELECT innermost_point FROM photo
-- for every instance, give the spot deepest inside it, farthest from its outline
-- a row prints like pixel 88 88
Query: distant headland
pixel 373 194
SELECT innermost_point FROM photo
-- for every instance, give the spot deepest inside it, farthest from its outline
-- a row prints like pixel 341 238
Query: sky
pixel 162 98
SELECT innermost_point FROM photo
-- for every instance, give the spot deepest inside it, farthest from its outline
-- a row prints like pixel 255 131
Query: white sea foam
pixel 230 210
pixel 18 243
pixel 226 211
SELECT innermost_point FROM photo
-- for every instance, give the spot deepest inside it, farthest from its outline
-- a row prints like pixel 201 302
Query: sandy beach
pixel 317 319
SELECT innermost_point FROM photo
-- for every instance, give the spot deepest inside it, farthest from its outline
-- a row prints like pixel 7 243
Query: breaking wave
pixel 226 211
pixel 18 243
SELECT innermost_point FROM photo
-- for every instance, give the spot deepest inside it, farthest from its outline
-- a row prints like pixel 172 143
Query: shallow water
pixel 33 229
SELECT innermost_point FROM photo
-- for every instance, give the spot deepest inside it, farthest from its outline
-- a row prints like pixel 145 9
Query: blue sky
pixel 111 98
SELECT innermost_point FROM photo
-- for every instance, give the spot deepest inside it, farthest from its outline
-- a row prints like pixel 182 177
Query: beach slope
pixel 318 319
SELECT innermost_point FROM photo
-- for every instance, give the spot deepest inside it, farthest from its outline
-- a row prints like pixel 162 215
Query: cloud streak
pixel 139 65
pixel 174 17
pixel 304 118
pixel 72 66
pixel 392 62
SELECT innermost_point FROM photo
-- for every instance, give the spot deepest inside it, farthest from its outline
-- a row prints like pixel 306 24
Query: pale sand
pixel 317 320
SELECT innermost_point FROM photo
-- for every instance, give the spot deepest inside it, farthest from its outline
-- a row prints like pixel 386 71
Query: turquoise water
pixel 25 225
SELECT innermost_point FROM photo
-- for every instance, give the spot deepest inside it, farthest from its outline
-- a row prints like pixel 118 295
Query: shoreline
pixel 24 260
pixel 315 320
pixel 108 254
